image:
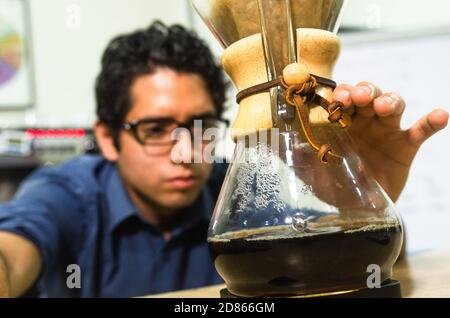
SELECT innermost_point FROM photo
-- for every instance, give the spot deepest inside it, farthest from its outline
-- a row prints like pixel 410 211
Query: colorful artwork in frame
pixel 16 82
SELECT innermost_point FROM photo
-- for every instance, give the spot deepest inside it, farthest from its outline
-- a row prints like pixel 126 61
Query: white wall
pixel 67 57
pixel 397 14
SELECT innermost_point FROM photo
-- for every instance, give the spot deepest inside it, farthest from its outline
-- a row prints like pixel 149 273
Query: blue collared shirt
pixel 80 213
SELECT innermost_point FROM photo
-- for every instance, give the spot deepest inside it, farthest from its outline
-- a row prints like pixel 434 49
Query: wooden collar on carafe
pixel 300 90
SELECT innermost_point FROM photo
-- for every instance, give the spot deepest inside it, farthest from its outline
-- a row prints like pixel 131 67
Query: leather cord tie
pixel 300 95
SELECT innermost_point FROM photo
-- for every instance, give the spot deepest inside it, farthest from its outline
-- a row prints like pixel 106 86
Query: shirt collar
pixel 119 202
pixel 121 207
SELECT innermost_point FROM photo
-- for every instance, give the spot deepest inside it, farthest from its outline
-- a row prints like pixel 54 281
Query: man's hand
pixel 387 150
pixel 20 264
pixel 5 290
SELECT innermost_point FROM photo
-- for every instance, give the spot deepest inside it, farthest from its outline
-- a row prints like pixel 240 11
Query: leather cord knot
pixel 300 95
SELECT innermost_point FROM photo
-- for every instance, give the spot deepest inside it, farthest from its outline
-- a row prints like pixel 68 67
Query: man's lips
pixel 184 182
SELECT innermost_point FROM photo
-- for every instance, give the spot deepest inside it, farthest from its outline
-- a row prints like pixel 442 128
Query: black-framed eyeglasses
pixel 161 131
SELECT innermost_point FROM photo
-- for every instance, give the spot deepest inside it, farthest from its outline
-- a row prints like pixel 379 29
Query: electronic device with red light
pixel 22 150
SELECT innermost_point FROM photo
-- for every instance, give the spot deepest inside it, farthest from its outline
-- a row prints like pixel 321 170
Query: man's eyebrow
pixel 156 118
pixel 167 118
pixel 206 114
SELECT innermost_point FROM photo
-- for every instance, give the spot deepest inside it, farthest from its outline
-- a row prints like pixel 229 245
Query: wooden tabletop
pixel 421 276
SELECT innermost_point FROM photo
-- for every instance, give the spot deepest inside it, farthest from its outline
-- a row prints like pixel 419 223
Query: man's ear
pixel 105 141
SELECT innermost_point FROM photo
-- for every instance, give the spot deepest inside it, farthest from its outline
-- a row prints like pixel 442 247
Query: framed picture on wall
pixel 16 82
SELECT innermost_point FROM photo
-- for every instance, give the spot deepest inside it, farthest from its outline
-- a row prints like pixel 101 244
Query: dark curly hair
pixel 142 52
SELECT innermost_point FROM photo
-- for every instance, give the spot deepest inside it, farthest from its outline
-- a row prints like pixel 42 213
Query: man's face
pixel 149 173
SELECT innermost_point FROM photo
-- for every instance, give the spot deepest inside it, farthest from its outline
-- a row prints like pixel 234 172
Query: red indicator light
pixel 69 133
pixel 60 133
pixel 80 133
pixel 40 133
pixel 30 133
pixel 50 133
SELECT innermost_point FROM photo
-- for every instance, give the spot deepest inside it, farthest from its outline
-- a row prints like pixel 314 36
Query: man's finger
pixel 427 126
pixel 342 94
pixel 389 107
pixel 364 93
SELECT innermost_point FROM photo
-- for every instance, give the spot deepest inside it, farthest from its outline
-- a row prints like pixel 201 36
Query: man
pixel 135 219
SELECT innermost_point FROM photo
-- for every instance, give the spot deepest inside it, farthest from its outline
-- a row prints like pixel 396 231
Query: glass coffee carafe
pixel 289 221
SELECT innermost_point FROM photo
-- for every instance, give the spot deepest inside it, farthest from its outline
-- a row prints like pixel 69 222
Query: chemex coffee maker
pixel 298 214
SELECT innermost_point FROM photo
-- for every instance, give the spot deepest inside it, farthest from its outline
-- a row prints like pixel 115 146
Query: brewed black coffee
pixel 264 265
